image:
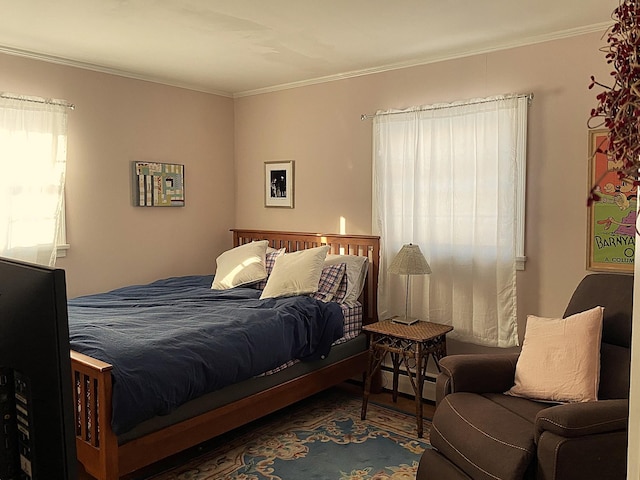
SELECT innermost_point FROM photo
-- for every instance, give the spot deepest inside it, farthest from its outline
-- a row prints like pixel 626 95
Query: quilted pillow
pixel 296 273
pixel 241 265
pixel 270 261
pixel 330 280
pixel 560 358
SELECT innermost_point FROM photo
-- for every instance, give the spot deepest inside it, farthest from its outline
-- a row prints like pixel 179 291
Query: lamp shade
pixel 409 261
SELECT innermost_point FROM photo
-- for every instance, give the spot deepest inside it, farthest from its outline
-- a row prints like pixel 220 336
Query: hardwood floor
pixel 405 403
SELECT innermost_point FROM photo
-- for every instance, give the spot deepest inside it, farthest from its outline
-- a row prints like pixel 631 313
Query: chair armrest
pixel 580 419
pixel 476 373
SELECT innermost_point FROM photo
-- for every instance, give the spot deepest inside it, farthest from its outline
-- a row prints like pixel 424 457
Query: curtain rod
pixel 367 116
pixel 48 101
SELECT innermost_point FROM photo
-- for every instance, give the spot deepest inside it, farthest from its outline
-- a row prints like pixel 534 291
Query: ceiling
pixel 240 47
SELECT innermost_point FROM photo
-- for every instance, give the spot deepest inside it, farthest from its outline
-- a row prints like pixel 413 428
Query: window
pixel 450 178
pixel 33 150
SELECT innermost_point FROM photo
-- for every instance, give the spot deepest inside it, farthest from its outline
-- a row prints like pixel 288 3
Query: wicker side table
pixel 420 341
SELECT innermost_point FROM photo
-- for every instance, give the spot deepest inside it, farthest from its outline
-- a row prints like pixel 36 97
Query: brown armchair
pixel 480 433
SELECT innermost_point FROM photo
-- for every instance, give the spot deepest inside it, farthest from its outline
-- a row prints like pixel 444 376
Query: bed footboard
pixel 96 444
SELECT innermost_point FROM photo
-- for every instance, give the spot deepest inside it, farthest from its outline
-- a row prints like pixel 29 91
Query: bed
pixel 108 456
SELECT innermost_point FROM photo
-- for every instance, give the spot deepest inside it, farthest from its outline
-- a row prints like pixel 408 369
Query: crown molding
pixel 110 71
pixel 600 27
pixel 313 81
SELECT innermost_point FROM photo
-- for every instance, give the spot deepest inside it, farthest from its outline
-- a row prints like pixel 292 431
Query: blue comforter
pixel 176 339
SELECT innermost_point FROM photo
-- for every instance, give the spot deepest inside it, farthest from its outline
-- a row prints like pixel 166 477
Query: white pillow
pixel 357 267
pixel 241 265
pixel 296 273
pixel 560 358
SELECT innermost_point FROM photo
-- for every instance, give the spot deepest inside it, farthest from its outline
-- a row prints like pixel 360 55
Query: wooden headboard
pixel 361 245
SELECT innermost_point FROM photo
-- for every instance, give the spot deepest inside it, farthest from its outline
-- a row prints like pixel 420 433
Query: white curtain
pixel 33 150
pixel 445 178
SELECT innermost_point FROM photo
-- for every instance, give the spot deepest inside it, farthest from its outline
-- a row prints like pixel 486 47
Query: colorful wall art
pixel 158 184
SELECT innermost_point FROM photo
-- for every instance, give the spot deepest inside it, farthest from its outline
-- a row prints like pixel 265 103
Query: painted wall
pixel 119 120
pixel 319 127
pixel 116 121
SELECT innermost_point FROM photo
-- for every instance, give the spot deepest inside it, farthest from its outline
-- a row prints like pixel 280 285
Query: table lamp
pixel 409 261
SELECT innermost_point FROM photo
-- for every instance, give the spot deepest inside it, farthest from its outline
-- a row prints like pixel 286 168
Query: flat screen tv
pixel 36 406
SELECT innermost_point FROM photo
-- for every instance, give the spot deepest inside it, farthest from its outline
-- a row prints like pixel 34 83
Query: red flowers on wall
pixel 619 104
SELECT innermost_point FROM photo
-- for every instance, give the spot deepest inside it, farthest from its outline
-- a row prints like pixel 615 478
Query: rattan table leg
pixel 376 357
pixel 395 359
pixel 419 386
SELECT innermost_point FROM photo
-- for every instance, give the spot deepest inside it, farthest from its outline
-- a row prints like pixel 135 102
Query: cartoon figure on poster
pixel 613 217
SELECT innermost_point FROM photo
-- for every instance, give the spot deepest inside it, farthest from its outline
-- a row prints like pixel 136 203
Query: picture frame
pixel 612 219
pixel 279 184
pixel 158 184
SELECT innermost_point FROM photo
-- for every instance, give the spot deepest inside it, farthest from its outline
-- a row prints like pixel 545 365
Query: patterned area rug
pixel 320 438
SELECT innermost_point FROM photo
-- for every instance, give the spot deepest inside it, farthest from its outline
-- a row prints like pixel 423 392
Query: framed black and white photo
pixel 278 182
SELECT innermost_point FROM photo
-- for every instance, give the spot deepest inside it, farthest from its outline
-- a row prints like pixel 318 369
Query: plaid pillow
pixel 270 261
pixel 329 282
pixel 341 292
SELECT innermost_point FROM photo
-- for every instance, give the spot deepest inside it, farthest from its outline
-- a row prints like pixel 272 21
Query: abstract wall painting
pixel 158 184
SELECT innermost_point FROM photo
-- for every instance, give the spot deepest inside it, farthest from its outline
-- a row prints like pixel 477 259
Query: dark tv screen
pixel 36 406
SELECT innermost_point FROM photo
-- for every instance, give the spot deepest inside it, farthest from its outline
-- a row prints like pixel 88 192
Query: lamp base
pixel 405 320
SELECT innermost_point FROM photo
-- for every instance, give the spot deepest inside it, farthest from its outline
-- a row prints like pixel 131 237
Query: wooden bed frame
pixel 97 445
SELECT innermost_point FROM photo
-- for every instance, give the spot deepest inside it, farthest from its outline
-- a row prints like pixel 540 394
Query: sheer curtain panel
pixel 33 150
pixel 446 178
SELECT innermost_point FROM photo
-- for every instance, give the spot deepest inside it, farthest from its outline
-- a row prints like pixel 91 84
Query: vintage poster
pixel 612 219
